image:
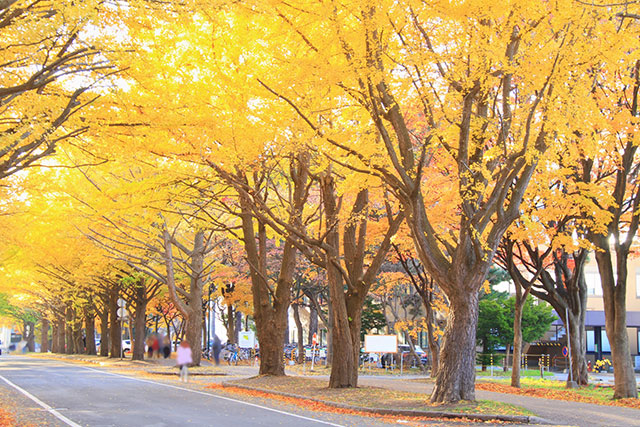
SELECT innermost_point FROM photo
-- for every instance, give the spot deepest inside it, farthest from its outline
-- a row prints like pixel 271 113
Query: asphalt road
pixel 62 394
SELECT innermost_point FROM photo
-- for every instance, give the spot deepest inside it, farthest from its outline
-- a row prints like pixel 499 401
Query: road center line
pixel 217 397
pixel 49 409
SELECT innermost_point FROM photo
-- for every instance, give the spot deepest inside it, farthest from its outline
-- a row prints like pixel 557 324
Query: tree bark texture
pixel 90 331
pixel 104 330
pixel 30 335
pixel 517 339
pixel 457 372
pixel 231 324
pixel 115 333
pixel 139 329
pixel 300 332
pixel 69 344
pixel 313 323
pixel 615 310
pixel 44 336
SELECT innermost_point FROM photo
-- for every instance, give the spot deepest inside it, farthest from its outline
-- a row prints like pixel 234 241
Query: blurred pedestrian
pixel 155 346
pixel 217 346
pixel 150 346
pixel 166 347
pixel 183 360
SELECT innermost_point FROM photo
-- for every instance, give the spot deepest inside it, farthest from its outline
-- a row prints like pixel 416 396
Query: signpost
pixel 382 344
pixel 314 341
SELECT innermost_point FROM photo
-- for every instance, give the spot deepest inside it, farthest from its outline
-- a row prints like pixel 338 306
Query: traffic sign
pixel 565 351
pixel 121 302
pixel 122 313
pixel 315 339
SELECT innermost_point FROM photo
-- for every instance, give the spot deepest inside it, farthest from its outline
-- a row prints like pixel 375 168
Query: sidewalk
pixel 556 411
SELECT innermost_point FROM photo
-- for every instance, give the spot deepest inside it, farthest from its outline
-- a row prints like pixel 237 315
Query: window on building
pixel 594 286
pixel 605 341
pixel 591 340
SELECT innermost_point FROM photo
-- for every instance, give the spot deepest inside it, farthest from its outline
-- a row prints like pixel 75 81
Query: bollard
pixel 491 361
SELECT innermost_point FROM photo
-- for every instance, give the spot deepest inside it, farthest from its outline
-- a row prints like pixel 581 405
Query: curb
pixel 191 374
pixel 521 419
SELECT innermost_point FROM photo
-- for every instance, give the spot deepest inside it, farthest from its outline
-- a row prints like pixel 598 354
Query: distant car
pixel 126 346
pixel 405 350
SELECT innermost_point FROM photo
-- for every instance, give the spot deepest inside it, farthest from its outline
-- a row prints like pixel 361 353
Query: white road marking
pixel 217 397
pixel 49 409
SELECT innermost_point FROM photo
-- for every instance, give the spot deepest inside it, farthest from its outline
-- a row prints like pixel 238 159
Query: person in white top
pixel 183 360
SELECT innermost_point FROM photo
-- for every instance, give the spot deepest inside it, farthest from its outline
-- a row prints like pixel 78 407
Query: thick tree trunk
pixel 60 326
pixel 434 344
pixel 457 374
pixel 139 328
pixel 90 332
pixel 578 341
pixel 30 335
pixel 238 326
pixel 231 325
pixel 194 328
pixel 615 308
pixel 44 336
pixel 296 317
pixel 69 344
pixel 115 332
pixel 78 343
pixel 104 331
pixel 517 339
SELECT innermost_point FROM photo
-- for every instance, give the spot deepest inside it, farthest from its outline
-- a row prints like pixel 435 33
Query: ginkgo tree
pixel 493 84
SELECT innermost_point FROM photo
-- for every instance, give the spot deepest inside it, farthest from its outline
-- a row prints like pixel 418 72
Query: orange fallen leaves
pixel 567 395
pixel 315 406
pixel 6 419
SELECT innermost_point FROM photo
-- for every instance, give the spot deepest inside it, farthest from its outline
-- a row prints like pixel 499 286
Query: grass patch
pixel 320 369
pixel 374 397
pixel 556 390
pixel 498 372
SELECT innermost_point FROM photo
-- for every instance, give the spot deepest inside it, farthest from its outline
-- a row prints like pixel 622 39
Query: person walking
pixel 184 359
pixel 217 346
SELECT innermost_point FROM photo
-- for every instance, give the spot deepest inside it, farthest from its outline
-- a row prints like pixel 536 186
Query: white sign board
pixel 380 344
pixel 246 339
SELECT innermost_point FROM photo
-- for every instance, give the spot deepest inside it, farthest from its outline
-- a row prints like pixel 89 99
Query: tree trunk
pixel 44 337
pixel 434 344
pixel 55 335
pixel 78 344
pixel 296 317
pixel 139 328
pixel 238 326
pixel 615 310
pixel 517 338
pixel 578 341
pixel 60 325
pixel 313 323
pixel 457 374
pixel 90 332
pixel 115 333
pixel 231 325
pixel 30 335
pixel 194 329
pixel 69 345
pixel 505 365
pixel 286 331
pixel 104 331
